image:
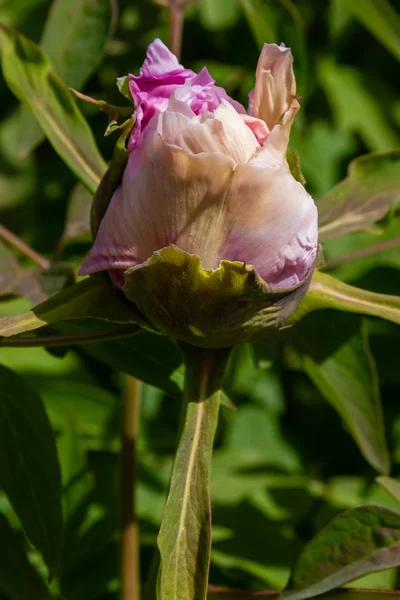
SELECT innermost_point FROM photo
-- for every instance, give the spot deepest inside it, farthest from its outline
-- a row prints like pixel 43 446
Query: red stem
pixel 15 241
pixel 130 576
pixel 176 26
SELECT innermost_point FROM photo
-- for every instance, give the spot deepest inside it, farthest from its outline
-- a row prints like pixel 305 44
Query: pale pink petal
pixel 250 109
pixel 273 153
pixel 239 139
pixel 104 254
pixel 223 132
pixel 272 224
pixel 275 84
pixel 167 197
pixel 258 127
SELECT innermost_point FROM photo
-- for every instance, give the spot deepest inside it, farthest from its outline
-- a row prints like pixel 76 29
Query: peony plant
pixel 207 191
pixel 202 233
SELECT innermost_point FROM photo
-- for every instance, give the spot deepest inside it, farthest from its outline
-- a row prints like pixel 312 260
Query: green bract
pixel 212 309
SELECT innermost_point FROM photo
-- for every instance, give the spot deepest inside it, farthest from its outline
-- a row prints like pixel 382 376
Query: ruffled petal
pixel 159 60
pixel 168 196
pixel 272 224
pixel 224 131
pixel 258 127
pixel 201 94
pixel 275 84
pixel 273 153
pixel 159 76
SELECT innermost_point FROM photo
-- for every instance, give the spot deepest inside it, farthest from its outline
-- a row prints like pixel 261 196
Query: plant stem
pixel 130 575
pixel 15 241
pixel 176 8
pixel 68 340
pixel 217 591
pixel 184 540
pixel 362 253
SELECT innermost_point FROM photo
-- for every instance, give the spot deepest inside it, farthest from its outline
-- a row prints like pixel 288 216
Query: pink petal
pixel 159 60
pixel 167 197
pixel 104 255
pixel 223 132
pixel 275 84
pixel 273 153
pixel 258 127
pixel 272 224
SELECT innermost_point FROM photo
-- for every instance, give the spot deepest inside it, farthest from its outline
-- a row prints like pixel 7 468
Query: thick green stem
pixel 185 535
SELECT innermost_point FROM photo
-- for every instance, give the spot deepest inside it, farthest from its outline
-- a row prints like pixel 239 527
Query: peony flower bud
pixel 209 233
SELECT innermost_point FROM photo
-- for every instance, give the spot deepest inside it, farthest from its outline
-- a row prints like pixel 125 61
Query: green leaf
pixel 17 177
pixel 151 358
pixel 355 255
pixel 33 283
pixel 29 470
pixel 216 593
pixel 335 354
pixel 18 578
pixel 77 484
pixel 339 19
pixel 66 21
pixel 216 308
pixel 10 271
pixel 219 14
pixel 380 18
pixel 355 109
pixel 323 151
pixel 154 359
pixel 184 540
pixel 363 198
pixel 73 53
pixel 28 73
pixel 326 291
pixel 74 406
pixel 359 541
pixel 15 12
pixel 77 222
pixel 94 298
pixel 392 486
pixel 261 20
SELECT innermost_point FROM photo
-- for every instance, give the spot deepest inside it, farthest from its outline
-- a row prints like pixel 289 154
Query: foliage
pixel 305 470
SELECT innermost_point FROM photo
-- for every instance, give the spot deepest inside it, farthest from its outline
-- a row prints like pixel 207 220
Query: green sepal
pixel 293 160
pixel 111 179
pixel 117 115
pixel 123 86
pixel 212 309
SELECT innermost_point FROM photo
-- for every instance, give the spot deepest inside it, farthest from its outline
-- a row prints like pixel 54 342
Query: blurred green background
pixel 284 462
